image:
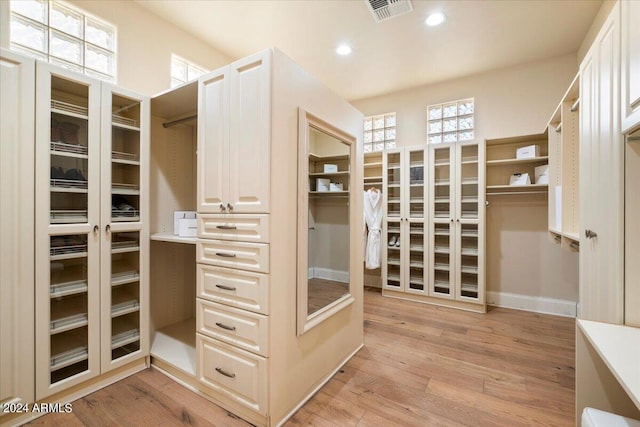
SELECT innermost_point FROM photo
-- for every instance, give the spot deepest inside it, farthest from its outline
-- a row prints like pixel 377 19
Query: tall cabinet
pixel 601 178
pixel 91 156
pixel 17 75
pixel 404 241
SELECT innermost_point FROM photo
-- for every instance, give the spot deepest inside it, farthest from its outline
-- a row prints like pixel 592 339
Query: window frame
pixel 176 81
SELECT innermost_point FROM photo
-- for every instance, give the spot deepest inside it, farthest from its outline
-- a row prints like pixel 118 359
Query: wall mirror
pixel 326 162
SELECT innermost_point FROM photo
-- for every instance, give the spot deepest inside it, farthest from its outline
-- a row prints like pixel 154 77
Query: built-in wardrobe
pixel 96 286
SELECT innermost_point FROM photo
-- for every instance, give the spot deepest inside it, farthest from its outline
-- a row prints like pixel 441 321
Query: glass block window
pixel 379 132
pixel 183 71
pixel 63 35
pixel 450 122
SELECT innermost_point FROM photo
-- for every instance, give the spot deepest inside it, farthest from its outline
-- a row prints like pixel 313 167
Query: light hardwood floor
pixel 322 292
pixel 421 366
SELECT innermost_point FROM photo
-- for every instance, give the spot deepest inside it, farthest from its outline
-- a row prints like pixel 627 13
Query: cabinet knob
pixel 108 228
pixel 589 234
pixel 96 228
pixel 222 208
pixel 230 207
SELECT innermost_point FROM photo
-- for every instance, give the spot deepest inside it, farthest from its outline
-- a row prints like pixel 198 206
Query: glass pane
pixel 450 137
pixel 28 34
pixel 449 125
pixel 435 127
pixel 465 107
pixel 65 47
pixel 390 133
pixel 98 75
pixel 391 144
pixel 368 148
pixel 449 110
pixel 390 120
pixel 435 139
pixel 194 72
pixel 176 82
pixel 435 113
pixel 465 123
pixel 99 34
pixel 66 20
pixel 67 65
pixel 368 136
pixel 38 55
pixel 368 123
pixel 34 9
pixel 465 136
pixel 379 146
pixel 378 135
pixel 178 69
pixel 378 122
pixel 99 60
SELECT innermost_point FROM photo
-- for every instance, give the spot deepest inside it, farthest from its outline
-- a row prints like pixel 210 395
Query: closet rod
pixel 178 121
pixel 633 138
pixel 575 105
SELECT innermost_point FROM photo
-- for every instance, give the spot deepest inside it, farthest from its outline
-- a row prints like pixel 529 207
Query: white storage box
pixel 328 168
pixel 187 227
pixel 520 179
pixel 334 186
pixel 597 418
pixel 322 184
pixel 542 174
pixel 528 152
pixel 177 216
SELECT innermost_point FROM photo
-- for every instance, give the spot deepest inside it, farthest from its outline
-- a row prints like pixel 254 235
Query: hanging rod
pixel 178 121
pixel 575 105
pixel 126 107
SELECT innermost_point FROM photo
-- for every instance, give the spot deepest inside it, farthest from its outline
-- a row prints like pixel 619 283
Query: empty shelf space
pixel 123 246
pixel 68 251
pixel 469 269
pixel 316 174
pixel 68 109
pixel 469 251
pixel 441 267
pixel 416 248
pixel 172 238
pixel 122 273
pixel 392 261
pixel 441 250
pixel 373 165
pixel 125 123
pixel 416 264
pixel 394 277
pixel 176 345
pixel 68 186
pixel 59 216
pixel 124 338
pixel 66 322
pixel 69 150
pixel 517 161
pixel 73 287
pixel 124 158
pixel 68 349
pixel 125 307
pixel 376 178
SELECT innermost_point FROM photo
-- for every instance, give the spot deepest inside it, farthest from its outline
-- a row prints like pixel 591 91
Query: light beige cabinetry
pixel 630 66
pixel 404 241
pixel 601 178
pixel 564 170
pixel 456 228
pixel 233 161
pixel 17 76
pixel 91 253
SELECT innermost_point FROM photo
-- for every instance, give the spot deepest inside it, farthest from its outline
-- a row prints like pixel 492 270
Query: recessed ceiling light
pixel 436 18
pixel 343 50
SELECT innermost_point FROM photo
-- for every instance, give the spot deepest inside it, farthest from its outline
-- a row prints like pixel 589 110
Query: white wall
pixel 509 102
pixel 145 43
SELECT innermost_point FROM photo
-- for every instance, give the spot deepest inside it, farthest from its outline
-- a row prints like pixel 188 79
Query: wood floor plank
pixel 422 365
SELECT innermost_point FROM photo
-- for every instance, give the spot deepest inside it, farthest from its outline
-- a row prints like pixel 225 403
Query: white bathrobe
pixel 373 218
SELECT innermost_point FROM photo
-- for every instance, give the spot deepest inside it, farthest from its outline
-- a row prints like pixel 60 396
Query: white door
pixel 249 156
pixel 17 86
pixel 213 141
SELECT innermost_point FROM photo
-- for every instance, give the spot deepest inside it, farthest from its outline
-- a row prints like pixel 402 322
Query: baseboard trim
pixel 328 274
pixel 542 305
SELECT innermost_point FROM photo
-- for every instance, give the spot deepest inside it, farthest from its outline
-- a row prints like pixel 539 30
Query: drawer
pixel 237 327
pixel 241 289
pixel 245 256
pixel 244 228
pixel 234 373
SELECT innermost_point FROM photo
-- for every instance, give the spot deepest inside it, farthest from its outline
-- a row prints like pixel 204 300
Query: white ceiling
pixel 393 55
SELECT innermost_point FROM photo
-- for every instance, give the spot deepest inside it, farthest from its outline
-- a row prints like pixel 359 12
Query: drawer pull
pixel 222 254
pixel 226 227
pixel 227 327
pixel 226 288
pixel 226 374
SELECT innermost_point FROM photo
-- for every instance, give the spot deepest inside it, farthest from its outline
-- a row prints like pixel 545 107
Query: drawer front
pixel 237 374
pixel 237 288
pixel 245 256
pixel 244 228
pixel 237 327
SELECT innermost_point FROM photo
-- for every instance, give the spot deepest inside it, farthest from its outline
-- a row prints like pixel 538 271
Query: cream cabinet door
pixel 213 141
pixel 630 56
pixel 249 155
pixel 17 86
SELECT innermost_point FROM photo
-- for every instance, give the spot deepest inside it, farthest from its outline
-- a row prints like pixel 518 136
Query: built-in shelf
pixel 506 188
pixel 373 165
pixel 316 158
pixel 176 346
pixel 318 174
pixel 517 161
pixel 172 238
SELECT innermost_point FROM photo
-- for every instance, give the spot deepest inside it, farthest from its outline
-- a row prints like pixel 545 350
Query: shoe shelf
pixel 66 250
pixel 123 273
pixel 512 161
pixel 69 109
pixel 67 216
pixel 68 185
pixel 68 313
pixel 70 351
pixel 68 150
pixel 72 287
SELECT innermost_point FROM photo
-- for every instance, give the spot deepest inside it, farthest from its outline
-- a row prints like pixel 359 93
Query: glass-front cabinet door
pixel 67 229
pixel 124 292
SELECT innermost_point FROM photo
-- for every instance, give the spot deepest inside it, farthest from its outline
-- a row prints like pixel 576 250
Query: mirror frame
pixel 306 120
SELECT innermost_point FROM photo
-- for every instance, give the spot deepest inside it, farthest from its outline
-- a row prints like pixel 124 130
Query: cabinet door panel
pixel 630 64
pixel 250 134
pixel 213 141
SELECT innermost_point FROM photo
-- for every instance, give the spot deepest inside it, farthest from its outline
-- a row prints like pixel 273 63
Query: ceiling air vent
pixel 386 9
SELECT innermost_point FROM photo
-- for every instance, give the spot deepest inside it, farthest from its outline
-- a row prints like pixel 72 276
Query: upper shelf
pixel 317 158
pixel 516 161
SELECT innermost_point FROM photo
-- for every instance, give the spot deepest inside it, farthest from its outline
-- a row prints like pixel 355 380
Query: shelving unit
pixel 564 173
pixel 373 170
pixel 501 163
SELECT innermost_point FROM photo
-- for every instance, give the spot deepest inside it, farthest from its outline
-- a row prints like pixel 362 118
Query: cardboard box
pixel 542 174
pixel 520 179
pixel 528 152
pixel 322 184
pixel 329 168
pixel 334 186
pixel 177 216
